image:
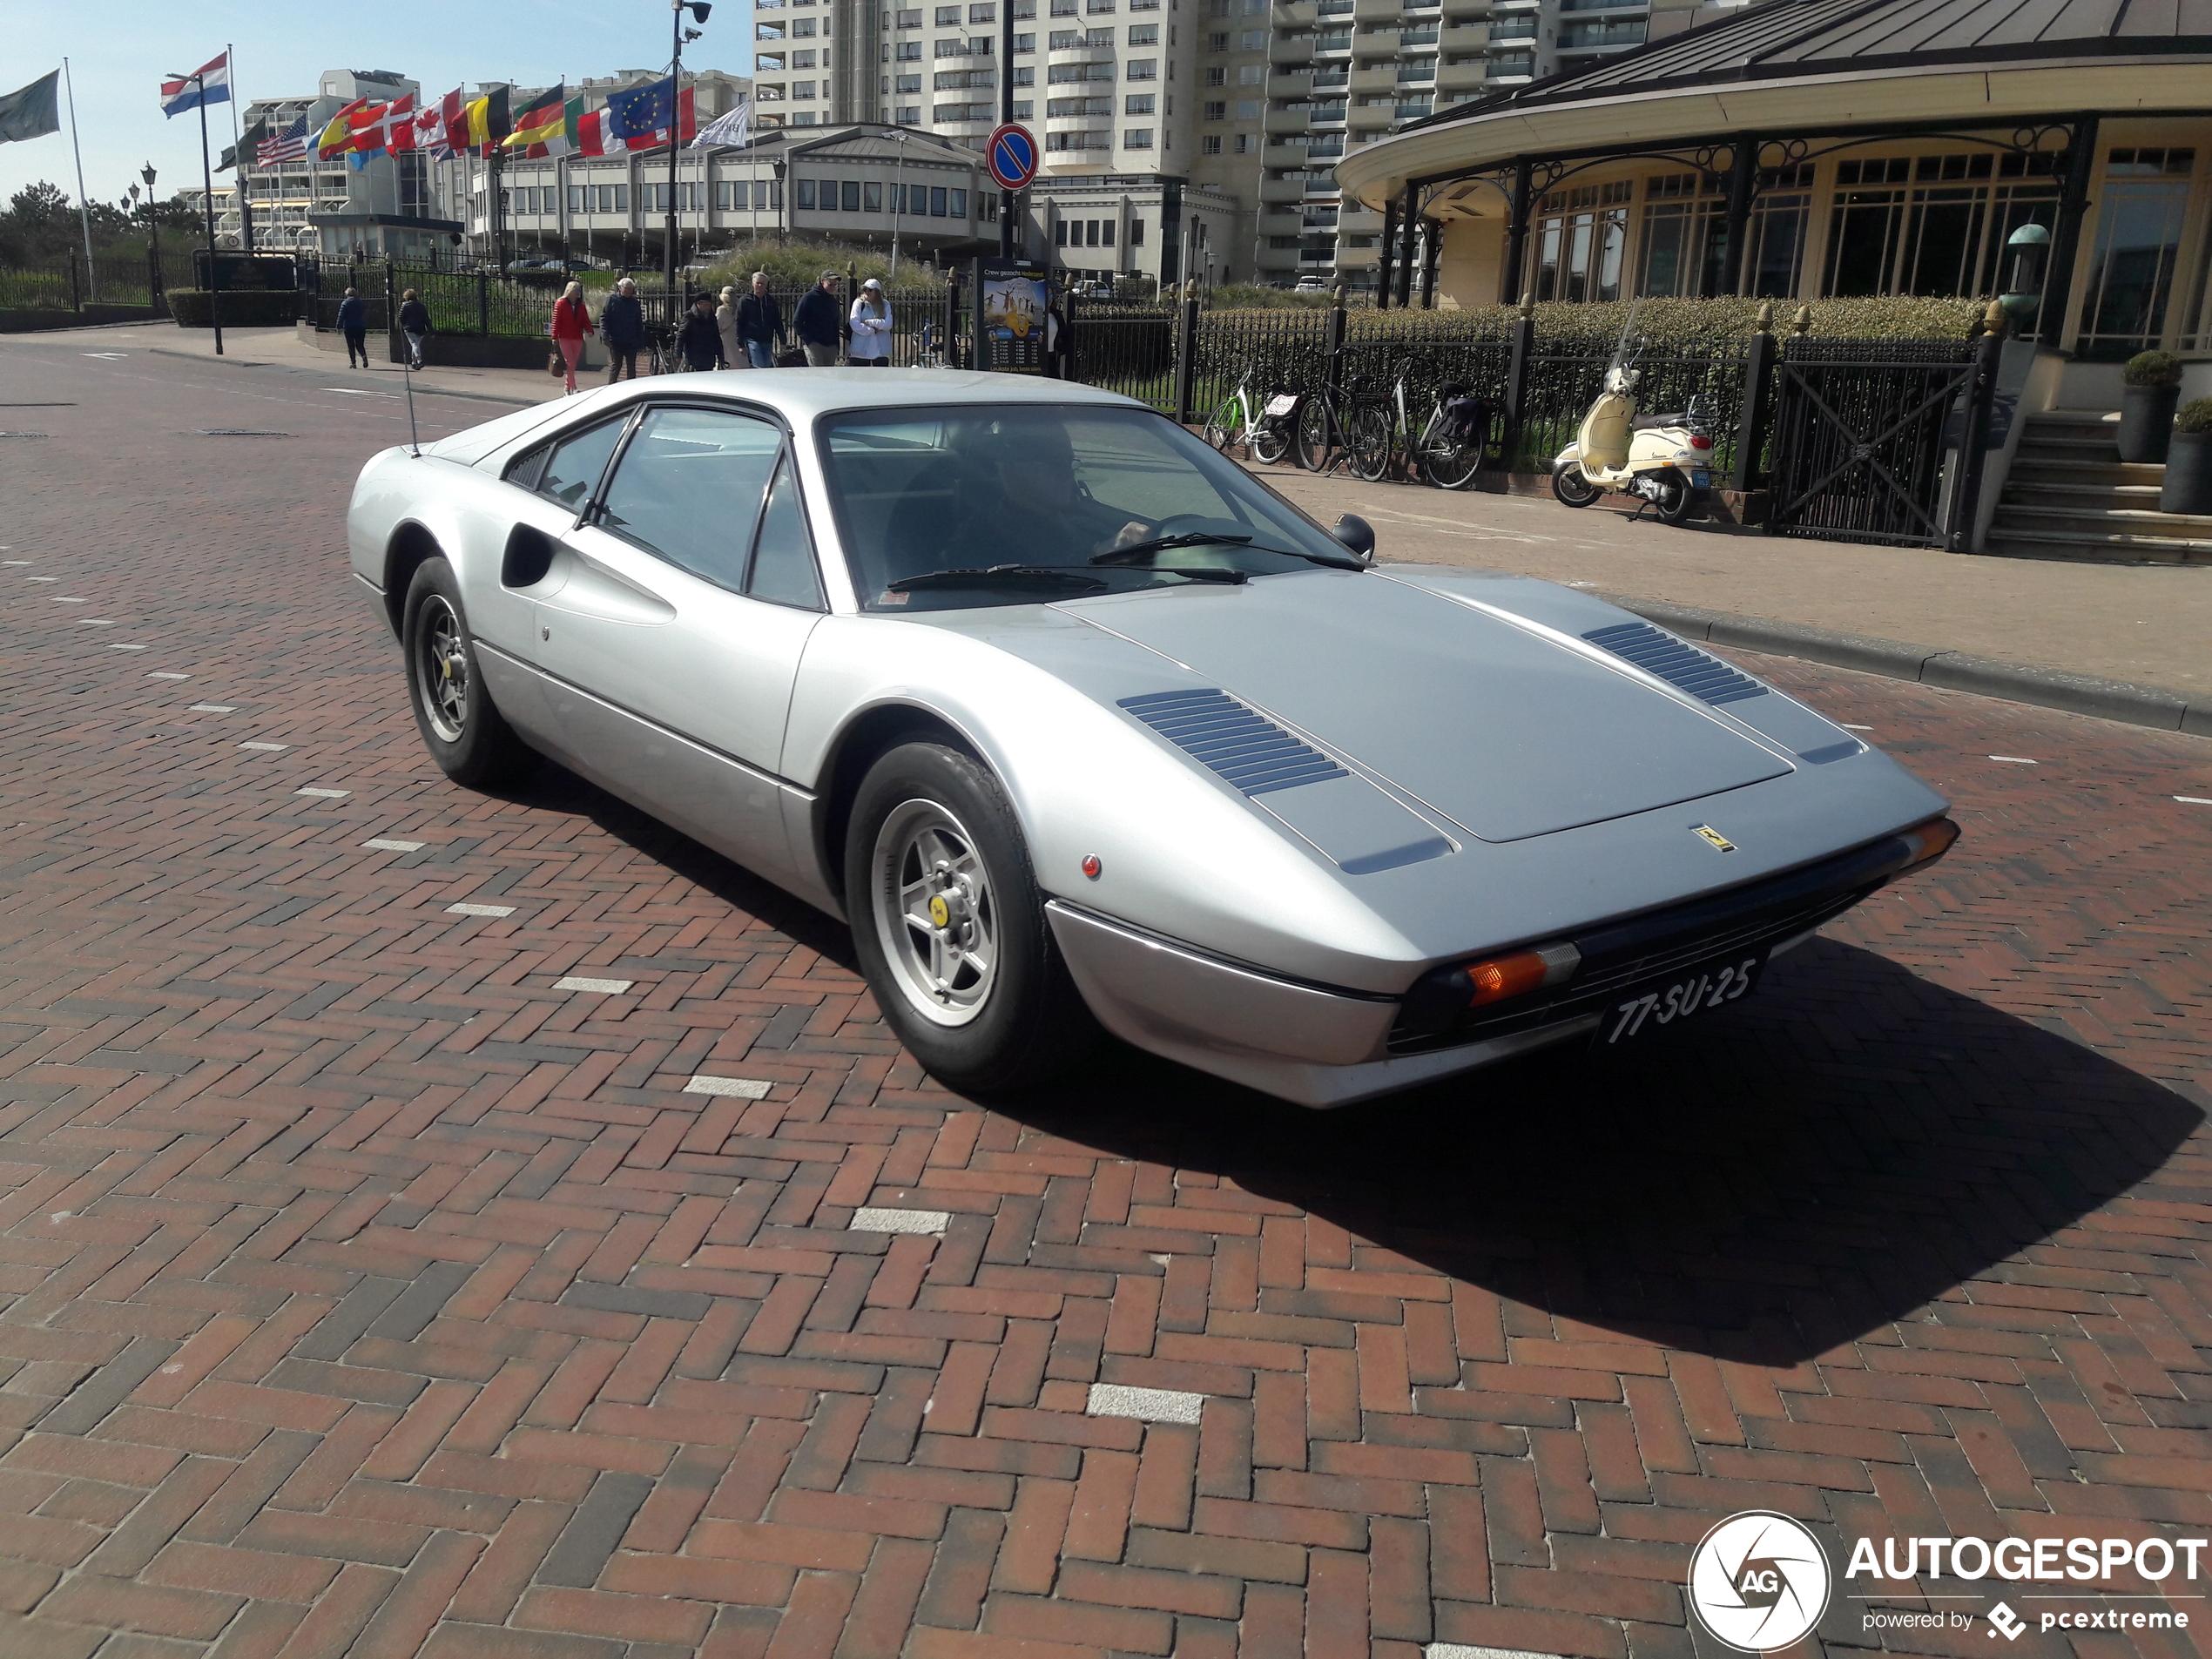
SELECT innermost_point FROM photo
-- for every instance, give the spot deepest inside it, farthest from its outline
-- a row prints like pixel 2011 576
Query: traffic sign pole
pixel 1005 119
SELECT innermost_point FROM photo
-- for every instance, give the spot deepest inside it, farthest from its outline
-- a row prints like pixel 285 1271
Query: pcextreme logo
pixel 1761 1581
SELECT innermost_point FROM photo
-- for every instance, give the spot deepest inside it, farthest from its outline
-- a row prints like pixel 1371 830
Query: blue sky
pixel 118 54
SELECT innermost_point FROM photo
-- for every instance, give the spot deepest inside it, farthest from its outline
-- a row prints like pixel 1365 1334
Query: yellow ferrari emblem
pixel 1708 832
pixel 939 911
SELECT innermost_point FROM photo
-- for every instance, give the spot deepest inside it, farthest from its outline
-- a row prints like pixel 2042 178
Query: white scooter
pixel 1665 460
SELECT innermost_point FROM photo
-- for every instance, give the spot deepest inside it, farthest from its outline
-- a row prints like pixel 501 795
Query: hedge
pixel 242 308
pixel 1685 325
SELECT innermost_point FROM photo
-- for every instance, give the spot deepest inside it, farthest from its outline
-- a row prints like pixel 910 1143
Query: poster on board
pixel 1011 298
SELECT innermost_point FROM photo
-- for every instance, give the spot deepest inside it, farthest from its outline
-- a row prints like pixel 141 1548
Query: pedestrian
pixel 353 322
pixel 414 323
pixel 816 320
pixel 621 325
pixel 725 319
pixel 760 323
pixel 1059 343
pixel 571 322
pixel 699 341
pixel 871 322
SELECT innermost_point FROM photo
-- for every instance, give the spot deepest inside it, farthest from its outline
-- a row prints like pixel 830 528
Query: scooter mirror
pixel 1356 533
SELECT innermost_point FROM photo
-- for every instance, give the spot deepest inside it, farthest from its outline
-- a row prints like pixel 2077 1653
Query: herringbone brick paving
pixel 361 1293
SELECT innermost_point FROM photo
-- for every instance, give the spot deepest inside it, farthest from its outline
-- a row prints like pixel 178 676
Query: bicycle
pixel 1321 418
pixel 1263 436
pixel 1447 452
pixel 660 348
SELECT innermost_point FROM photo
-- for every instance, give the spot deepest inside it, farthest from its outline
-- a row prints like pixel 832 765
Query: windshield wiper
pixel 1136 552
pixel 1057 575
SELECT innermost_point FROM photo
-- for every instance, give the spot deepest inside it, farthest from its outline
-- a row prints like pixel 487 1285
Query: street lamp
pixel 678 35
pixel 153 231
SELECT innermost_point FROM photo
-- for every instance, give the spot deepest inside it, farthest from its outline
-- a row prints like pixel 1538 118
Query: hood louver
pixel 1250 751
pixel 1680 665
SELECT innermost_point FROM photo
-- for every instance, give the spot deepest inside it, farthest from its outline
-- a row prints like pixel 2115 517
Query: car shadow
pixel 1821 1160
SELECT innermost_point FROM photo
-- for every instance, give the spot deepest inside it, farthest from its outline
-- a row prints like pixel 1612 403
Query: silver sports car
pixel 1079 725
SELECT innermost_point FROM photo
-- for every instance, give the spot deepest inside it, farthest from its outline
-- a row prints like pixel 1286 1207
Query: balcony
pixel 1518 30
pixel 1291 52
pixel 1333 79
pixel 1377 11
pixel 1509 71
pixel 1382 79
pixel 1326 45
pixel 1365 117
pixel 1296 14
pixel 1283 122
pixel 1281 190
pixel 1289 84
pixel 1279 224
pixel 1284 155
pixel 1284 260
pixel 1358 221
pixel 1464 37
pixel 1601 37
pixel 1422 74
pixel 1461 77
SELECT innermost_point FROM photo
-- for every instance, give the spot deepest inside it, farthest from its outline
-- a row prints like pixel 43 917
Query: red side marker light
pixel 1091 865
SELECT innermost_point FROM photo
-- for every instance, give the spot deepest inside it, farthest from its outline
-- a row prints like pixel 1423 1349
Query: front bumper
pixel 1323 1046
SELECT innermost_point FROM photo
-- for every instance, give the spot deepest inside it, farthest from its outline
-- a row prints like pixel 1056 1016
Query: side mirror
pixel 1356 533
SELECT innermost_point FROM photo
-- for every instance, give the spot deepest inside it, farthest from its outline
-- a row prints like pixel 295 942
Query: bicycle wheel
pixel 1317 433
pixel 1452 466
pixel 1270 443
pixel 1367 443
pixel 1225 428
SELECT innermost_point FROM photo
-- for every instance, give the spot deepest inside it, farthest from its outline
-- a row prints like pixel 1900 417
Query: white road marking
pixel 42 578
pixel 112 645
pixel 480 910
pixel 2014 760
pixel 96 622
pixel 383 846
pixel 270 748
pixel 325 794
pixel 1848 726
pixel 1148 1405
pixel 352 391
pixel 111 355
pixel 214 708
pixel 1462 1650
pixel 162 673
pixel 15 560
pixel 866 1220
pixel 743 1087
pixel 2193 800
pixel 603 987
pixel 59 600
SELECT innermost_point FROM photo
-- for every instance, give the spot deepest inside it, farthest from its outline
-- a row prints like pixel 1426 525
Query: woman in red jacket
pixel 571 322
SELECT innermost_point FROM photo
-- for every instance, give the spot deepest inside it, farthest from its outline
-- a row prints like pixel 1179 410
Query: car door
pixel 673 621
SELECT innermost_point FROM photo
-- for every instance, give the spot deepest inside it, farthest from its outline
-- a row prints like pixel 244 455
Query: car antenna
pixel 406 378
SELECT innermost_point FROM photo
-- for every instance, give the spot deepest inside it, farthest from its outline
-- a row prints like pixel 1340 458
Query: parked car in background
pixel 1078 724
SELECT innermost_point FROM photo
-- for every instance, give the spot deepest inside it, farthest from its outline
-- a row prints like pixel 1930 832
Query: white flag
pixel 732 129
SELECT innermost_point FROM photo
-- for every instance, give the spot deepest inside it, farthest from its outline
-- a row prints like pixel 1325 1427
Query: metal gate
pixel 1861 428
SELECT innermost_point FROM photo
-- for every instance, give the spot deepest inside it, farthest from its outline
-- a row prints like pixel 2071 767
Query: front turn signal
pixel 1496 978
pixel 1928 842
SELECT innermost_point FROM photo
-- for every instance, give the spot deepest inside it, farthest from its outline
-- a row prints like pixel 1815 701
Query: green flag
pixel 32 113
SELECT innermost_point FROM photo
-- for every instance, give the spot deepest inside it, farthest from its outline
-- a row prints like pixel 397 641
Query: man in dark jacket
pixel 816 320
pixel 699 342
pixel 415 325
pixel 353 322
pixel 760 323
pixel 621 325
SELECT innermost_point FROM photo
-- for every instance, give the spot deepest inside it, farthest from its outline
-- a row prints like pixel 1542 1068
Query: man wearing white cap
pixel 871 346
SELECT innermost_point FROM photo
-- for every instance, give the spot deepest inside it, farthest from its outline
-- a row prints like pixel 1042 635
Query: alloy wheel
pixel 936 915
pixel 442 664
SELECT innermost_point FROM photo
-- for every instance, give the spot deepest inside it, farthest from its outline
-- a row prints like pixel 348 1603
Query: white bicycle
pixel 1263 432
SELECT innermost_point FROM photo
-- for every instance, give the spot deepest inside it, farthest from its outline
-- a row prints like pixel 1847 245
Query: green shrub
pixel 2195 415
pixel 801 265
pixel 1686 325
pixel 2152 368
pixel 242 308
pixel 1247 296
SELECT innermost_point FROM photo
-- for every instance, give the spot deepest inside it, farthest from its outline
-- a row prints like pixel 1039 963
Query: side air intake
pixel 1249 751
pixel 1680 665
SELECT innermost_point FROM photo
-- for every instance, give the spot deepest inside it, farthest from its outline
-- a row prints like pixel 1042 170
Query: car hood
pixel 1504 730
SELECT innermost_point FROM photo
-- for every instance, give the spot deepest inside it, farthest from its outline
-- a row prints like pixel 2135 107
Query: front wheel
pixel 1368 443
pixel 464 731
pixel 1571 488
pixel 1316 434
pixel 950 927
pixel 1271 442
pixel 1225 428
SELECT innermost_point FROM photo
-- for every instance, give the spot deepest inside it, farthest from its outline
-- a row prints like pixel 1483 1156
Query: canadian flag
pixel 429 134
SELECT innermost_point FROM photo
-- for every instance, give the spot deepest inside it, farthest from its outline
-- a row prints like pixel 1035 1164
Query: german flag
pixel 544 122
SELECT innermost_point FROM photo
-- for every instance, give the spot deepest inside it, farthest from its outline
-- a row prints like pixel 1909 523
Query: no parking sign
pixel 1012 154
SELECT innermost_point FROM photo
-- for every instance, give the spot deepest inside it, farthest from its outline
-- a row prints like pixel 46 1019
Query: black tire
pixel 1367 443
pixel 1224 429
pixel 1571 488
pixel 1453 466
pixel 1016 1024
pixel 1676 500
pixel 1316 434
pixel 461 726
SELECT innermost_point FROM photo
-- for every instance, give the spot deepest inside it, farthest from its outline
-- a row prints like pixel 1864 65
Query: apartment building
pixel 385 204
pixel 812 61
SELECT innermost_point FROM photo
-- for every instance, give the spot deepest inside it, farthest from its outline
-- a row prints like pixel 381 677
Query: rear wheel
pixel 1675 499
pixel 1317 434
pixel 464 731
pixel 950 927
pixel 1225 428
pixel 1368 442
pixel 1450 466
pixel 1272 441
pixel 1571 488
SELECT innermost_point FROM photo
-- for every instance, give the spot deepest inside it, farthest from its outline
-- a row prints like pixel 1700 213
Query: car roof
pixel 801 394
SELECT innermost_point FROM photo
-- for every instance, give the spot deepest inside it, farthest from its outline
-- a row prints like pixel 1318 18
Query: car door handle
pixel 582 586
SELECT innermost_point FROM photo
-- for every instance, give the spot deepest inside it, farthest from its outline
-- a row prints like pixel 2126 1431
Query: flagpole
pixel 208 176
pixel 84 208
pixel 237 151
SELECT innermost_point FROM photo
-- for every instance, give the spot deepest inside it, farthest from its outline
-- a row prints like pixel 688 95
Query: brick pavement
pixel 364 1293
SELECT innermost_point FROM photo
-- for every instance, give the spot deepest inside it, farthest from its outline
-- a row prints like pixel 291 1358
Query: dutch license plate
pixel 1701 479
pixel 1656 1006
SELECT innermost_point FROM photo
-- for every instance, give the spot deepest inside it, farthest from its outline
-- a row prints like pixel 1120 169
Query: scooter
pixel 1665 460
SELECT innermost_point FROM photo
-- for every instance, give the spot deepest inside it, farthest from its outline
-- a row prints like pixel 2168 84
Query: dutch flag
pixel 210 84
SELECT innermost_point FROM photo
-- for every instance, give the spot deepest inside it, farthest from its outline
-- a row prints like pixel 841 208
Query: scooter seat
pixel 1645 422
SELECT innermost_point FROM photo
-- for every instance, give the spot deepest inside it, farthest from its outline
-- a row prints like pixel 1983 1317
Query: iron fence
pixel 1266 351
pixel 71 284
pixel 1561 388
pixel 1126 348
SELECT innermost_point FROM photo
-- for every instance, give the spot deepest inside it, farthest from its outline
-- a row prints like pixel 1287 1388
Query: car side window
pixel 524 469
pixel 573 470
pixel 783 558
pixel 689 487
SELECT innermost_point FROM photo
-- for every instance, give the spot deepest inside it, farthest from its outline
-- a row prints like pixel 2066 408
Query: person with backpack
pixel 817 320
pixel 571 322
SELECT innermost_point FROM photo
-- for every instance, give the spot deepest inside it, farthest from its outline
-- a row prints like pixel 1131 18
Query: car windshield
pixel 984 505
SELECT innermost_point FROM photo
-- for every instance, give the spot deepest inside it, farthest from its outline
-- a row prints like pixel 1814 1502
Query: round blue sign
pixel 1013 156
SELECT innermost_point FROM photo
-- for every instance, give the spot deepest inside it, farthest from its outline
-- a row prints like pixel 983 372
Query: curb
pixel 1952 671
pixel 420 391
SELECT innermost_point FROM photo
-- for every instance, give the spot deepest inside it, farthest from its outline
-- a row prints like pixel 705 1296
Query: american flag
pixel 291 145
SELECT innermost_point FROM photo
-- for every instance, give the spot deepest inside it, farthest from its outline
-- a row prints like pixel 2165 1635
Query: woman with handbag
pixel 571 322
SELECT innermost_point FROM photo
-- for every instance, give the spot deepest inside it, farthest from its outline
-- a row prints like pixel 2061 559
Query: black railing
pixel 72 284
pixel 1560 389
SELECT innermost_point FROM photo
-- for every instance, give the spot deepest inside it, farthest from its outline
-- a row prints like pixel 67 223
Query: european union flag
pixel 642 113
